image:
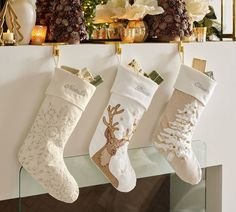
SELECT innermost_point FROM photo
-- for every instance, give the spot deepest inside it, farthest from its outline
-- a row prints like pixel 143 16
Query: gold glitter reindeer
pixel 113 143
pixel 103 156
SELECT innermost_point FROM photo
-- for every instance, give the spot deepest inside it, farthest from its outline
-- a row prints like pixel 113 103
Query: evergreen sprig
pixel 89 7
pixel 209 21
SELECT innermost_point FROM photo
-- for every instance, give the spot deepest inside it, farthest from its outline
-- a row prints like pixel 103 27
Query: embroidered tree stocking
pixel 131 96
pixel 173 137
pixel 42 152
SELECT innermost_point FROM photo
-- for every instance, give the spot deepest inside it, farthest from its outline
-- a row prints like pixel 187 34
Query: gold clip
pixel 56 54
pixel 118 48
pixel 56 50
pixel 181 50
pixel 181 47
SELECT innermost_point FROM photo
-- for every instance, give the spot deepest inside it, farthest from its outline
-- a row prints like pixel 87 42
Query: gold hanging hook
pixel 56 50
pixel 181 50
pixel 56 54
pixel 118 48
pixel 118 51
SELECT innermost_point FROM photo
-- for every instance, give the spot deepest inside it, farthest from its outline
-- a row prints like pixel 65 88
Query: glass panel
pixel 185 197
pixel 148 165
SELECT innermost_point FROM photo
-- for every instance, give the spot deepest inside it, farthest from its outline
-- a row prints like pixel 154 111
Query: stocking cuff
pixel 71 88
pixel 195 83
pixel 134 86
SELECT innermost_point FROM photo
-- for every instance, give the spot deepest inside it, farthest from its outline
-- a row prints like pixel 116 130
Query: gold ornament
pixel 14 24
pixel 140 28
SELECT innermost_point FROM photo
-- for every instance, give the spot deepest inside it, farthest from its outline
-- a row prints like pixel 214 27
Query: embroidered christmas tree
pixel 176 140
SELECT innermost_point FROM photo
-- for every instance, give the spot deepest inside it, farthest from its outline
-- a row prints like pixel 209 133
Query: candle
pixel 38 34
pixel 8 36
pixel 127 35
pixel 200 33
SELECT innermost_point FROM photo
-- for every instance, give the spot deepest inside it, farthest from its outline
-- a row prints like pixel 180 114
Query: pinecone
pixel 64 19
pixel 171 25
pixel 44 11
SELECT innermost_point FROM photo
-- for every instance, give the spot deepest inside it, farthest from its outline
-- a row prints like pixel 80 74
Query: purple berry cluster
pixel 171 25
pixel 64 19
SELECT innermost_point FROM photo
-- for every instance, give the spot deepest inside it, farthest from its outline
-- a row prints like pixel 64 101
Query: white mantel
pixel 26 70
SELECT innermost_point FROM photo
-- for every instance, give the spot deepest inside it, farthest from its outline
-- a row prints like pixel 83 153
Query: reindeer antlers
pixel 124 139
pixel 113 143
pixel 112 111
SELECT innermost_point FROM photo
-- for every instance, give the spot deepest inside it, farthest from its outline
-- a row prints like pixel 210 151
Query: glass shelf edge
pixel 146 162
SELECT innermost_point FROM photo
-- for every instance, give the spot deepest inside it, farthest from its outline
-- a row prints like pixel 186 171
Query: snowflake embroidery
pixel 176 140
pixel 42 152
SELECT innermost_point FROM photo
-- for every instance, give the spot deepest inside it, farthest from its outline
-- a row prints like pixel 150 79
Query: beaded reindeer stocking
pixel 42 152
pixel 173 137
pixel 131 96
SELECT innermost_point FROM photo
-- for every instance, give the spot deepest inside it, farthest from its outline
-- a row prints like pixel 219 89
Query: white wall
pixel 217 126
pixel 26 71
pixel 217 7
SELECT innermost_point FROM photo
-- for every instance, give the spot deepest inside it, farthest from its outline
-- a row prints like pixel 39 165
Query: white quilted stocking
pixel 131 95
pixel 173 137
pixel 42 152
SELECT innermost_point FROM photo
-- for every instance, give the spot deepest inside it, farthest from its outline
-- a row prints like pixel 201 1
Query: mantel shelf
pixel 122 43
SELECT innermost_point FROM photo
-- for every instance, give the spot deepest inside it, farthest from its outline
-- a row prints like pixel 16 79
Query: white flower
pixel 121 9
pixel 110 11
pixel 151 6
pixel 197 9
pixel 141 8
pixel 103 14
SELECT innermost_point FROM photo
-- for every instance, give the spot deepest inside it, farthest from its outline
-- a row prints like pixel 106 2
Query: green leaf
pixel 211 14
pixel 208 22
